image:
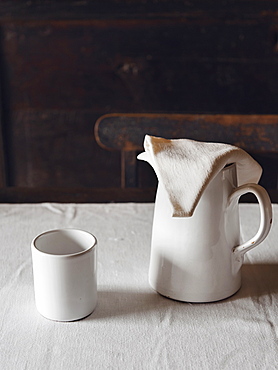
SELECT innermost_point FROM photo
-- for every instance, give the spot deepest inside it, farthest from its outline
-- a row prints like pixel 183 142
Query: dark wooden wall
pixel 65 63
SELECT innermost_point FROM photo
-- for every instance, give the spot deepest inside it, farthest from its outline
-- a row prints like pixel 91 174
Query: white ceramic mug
pixel 199 258
pixel 65 278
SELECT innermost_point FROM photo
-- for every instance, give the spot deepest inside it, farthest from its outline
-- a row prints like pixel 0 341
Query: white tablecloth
pixel 133 327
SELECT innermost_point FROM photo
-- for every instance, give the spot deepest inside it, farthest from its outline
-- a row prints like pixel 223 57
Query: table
pixel 133 327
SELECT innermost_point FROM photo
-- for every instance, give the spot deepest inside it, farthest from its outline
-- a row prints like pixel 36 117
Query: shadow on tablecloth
pixel 258 280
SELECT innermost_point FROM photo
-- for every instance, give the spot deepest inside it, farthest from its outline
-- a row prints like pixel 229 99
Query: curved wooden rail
pixel 125 133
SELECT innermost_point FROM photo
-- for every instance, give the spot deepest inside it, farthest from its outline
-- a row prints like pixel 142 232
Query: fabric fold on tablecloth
pixel 185 167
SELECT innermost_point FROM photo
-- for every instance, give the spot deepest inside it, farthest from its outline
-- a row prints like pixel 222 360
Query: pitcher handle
pixel 265 213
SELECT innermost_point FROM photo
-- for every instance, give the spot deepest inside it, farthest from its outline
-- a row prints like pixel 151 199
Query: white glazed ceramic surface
pixel 198 259
pixel 65 279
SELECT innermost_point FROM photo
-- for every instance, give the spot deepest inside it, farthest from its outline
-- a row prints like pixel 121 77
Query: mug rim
pixel 66 255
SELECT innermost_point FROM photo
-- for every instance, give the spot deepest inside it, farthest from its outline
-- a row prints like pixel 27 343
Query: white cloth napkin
pixel 185 167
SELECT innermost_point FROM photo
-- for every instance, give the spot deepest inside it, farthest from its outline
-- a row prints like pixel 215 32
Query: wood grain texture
pixel 75 195
pixel 89 195
pixel 125 132
pixel 97 9
pixel 66 63
pixel 142 65
pixel 57 148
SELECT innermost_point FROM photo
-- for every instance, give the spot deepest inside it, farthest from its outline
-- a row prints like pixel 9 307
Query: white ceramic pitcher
pixel 199 258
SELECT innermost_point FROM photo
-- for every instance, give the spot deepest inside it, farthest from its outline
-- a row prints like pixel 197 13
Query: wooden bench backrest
pixel 125 133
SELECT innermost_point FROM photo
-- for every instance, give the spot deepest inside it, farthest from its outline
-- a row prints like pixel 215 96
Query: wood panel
pixel 90 195
pixel 142 65
pixel 63 64
pixel 136 9
pixel 3 163
pixel 125 132
pixel 58 148
pixel 74 195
